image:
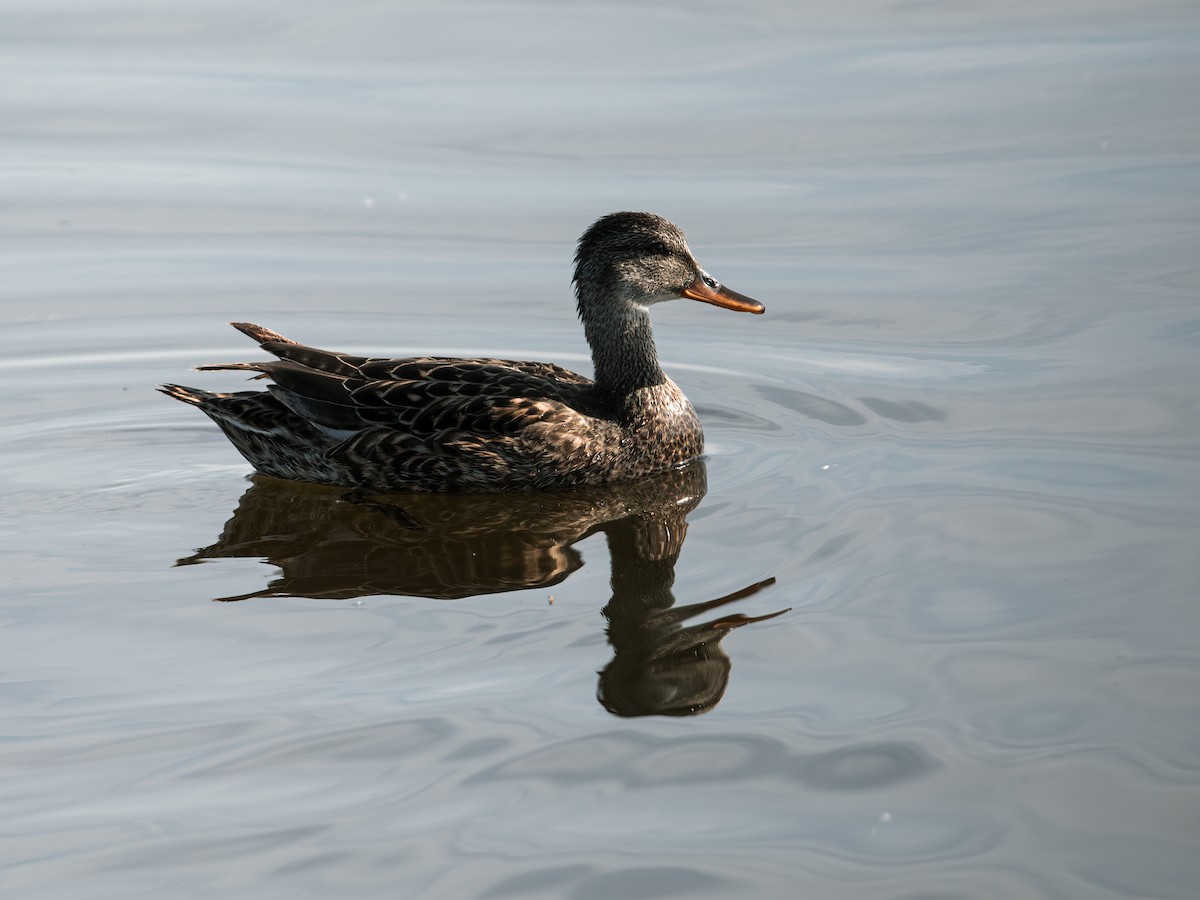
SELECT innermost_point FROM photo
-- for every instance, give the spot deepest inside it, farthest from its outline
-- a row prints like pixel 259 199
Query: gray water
pixel 960 449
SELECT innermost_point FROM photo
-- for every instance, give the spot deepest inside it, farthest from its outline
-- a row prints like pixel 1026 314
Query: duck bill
pixel 722 296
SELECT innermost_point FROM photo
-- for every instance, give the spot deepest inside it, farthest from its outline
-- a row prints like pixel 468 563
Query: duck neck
pixel 623 353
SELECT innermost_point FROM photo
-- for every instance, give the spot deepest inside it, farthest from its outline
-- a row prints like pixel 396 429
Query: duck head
pixel 637 259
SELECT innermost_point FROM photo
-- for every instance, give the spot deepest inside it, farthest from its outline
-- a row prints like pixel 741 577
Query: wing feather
pixel 424 398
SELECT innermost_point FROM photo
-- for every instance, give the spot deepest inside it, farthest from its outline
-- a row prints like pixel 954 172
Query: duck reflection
pixel 330 545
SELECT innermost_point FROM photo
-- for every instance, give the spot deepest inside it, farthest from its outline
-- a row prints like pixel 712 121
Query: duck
pixel 483 425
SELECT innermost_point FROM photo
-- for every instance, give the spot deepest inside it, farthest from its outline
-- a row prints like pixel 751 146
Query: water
pixel 960 449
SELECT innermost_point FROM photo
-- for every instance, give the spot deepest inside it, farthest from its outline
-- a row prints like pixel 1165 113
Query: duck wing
pixel 396 406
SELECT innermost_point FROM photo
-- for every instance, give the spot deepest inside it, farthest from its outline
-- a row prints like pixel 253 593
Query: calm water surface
pixel 960 450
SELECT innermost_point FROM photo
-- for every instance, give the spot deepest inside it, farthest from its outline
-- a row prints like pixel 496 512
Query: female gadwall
pixel 487 425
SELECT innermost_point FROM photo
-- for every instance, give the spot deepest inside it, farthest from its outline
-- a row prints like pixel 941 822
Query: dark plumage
pixel 487 425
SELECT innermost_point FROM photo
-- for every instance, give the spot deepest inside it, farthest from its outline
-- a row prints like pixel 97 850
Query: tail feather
pixel 194 396
pixel 244 367
pixel 260 334
pixel 293 351
pixel 289 430
pixel 271 437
